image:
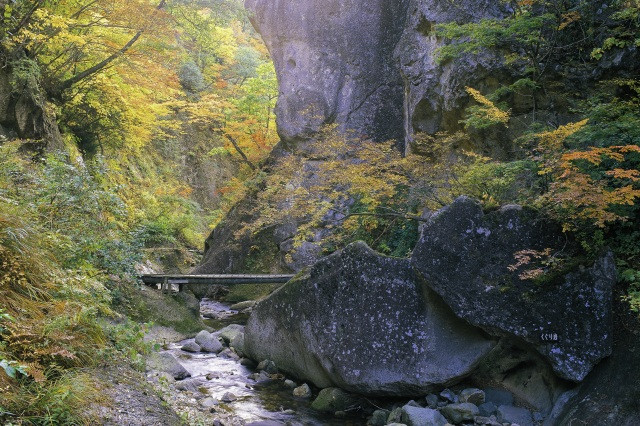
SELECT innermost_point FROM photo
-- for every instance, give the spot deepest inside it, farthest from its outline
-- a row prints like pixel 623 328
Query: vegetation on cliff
pixel 569 111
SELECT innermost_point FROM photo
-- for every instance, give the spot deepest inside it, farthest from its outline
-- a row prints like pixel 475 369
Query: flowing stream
pixel 256 401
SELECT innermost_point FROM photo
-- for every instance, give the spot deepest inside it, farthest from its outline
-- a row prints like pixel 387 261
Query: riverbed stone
pixel 487 421
pixel 395 416
pixel 248 362
pixel 330 400
pixel 356 320
pixel 189 385
pixel 458 413
pixel 237 343
pixel 228 397
pixel 303 391
pixel 487 409
pixel 267 366
pixel 432 400
pixel 191 347
pixel 243 305
pixel 230 332
pixel 164 361
pixel 472 395
pixel 379 418
pixel 511 414
pixel 208 342
pixel 449 395
pixel 469 259
pixel 230 354
pixel 209 402
pixel 417 416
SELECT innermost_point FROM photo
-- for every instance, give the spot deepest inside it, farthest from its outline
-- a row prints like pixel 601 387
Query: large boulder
pixel 334 61
pixel 359 321
pixel 610 395
pixel 474 261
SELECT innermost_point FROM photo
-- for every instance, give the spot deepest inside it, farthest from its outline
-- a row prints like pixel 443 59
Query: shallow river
pixel 257 401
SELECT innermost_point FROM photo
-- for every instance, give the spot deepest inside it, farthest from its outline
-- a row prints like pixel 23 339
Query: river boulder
pixel 478 264
pixel 360 321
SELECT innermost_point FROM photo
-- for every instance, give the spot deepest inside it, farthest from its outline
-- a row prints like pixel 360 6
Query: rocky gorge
pixel 359 336
pixel 489 303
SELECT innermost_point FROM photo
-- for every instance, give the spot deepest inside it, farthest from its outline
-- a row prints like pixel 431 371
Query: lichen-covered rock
pixel 334 60
pixel 468 258
pixel 359 321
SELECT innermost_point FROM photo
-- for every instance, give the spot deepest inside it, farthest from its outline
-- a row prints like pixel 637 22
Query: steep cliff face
pixel 368 66
pixel 334 60
pixel 434 92
pixel 371 66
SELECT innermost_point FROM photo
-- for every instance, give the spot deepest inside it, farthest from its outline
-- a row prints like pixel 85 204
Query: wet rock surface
pixel 468 258
pixel 357 320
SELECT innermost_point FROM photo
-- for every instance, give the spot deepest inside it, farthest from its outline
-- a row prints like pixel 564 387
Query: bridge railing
pixel 167 281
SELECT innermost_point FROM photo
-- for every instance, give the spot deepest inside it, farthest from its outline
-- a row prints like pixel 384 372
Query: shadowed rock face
pixel 435 92
pixel 465 256
pixel 334 60
pixel 360 321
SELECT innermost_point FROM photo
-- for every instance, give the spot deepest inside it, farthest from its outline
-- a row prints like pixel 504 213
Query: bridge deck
pixel 220 279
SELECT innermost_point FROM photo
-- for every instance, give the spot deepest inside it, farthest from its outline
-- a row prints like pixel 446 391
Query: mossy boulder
pixel 331 400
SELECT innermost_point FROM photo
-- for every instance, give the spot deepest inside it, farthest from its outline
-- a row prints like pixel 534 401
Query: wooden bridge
pixel 168 281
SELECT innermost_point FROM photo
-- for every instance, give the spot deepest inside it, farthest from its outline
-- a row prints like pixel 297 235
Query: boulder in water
pixel 208 342
pixel 164 361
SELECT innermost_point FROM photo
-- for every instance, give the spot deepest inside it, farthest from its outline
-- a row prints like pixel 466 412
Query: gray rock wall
pixel 23 116
pixel 469 258
pixel 334 61
pixel 435 93
pixel 370 66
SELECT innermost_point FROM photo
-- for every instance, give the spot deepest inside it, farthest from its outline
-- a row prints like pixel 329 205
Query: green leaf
pixel 630 275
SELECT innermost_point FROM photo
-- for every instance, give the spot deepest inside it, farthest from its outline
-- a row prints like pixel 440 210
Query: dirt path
pixel 131 400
